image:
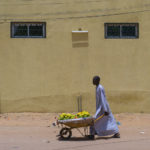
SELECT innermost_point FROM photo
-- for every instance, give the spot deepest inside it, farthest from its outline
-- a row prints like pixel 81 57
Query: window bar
pixel 28 29
pixel 12 30
pixel 120 31
pixel 43 30
pixel 136 30
pixel 106 31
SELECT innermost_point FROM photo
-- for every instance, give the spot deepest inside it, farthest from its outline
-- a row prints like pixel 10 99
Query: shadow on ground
pixel 84 138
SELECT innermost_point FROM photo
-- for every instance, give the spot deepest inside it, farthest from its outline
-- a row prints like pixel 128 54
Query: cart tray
pixel 77 123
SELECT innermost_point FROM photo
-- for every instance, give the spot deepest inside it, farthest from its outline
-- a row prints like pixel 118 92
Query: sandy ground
pixel 34 131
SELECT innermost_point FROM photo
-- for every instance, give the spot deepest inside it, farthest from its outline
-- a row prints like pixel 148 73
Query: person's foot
pixel 117 135
pixel 91 137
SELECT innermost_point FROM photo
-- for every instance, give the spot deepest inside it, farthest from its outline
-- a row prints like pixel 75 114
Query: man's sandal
pixel 117 135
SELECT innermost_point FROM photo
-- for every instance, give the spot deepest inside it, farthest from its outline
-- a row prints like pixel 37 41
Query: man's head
pixel 96 80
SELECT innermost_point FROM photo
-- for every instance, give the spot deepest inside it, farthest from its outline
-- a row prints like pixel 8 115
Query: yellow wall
pixel 47 75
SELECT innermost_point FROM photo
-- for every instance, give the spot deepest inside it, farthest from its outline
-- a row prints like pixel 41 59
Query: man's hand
pixel 106 113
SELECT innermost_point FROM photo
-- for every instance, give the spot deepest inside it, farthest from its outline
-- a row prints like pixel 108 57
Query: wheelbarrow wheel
pixel 65 133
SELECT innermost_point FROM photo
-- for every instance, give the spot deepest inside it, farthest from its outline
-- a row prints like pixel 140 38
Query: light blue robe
pixel 106 125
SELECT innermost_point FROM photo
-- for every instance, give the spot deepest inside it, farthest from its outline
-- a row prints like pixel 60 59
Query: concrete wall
pixel 48 75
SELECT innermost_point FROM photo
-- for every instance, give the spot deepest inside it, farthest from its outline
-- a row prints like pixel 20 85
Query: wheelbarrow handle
pixel 99 118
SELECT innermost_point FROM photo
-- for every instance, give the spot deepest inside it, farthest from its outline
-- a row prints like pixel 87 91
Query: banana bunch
pixel 83 114
pixel 66 116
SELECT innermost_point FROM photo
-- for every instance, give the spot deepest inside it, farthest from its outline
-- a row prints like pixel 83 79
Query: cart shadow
pixel 84 139
pixel 74 139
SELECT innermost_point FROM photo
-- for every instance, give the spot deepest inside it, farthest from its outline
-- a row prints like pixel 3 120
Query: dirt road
pixel 34 131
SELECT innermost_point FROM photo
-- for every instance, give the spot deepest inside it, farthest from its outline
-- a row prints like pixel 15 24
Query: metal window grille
pixel 121 30
pixel 28 29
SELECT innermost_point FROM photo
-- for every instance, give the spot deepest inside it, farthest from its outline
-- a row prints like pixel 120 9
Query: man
pixel 107 124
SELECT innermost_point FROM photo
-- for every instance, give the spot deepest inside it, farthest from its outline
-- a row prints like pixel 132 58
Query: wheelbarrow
pixel 68 125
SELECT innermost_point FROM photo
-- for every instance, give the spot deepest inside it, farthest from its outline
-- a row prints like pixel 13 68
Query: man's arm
pixel 104 103
pixel 98 103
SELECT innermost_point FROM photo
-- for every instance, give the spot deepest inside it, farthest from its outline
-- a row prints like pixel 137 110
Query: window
pixel 121 30
pixel 28 29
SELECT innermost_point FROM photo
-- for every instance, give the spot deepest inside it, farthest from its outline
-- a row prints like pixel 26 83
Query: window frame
pixel 28 24
pixel 136 25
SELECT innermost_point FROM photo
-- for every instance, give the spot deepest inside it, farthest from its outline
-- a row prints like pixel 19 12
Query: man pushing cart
pixel 106 125
pixel 102 123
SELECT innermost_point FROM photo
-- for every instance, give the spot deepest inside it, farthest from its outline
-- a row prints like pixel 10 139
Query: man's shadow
pixel 84 138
